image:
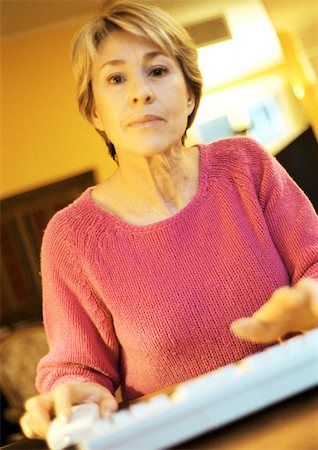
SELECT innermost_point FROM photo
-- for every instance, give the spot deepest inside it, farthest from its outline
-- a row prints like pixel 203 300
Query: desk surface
pixel 289 425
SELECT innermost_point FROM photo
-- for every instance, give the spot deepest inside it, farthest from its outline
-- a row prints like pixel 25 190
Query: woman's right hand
pixel 41 409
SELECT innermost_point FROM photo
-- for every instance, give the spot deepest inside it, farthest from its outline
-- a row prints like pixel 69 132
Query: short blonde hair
pixel 142 20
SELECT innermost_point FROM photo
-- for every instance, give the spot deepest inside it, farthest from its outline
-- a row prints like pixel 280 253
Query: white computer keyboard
pixel 198 405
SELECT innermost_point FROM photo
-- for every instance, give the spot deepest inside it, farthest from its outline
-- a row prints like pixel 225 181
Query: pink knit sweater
pixel 150 306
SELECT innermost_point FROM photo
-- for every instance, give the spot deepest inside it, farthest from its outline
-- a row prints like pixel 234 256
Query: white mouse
pixel 63 434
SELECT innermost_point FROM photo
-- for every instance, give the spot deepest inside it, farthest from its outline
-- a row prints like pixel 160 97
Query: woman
pixel 145 274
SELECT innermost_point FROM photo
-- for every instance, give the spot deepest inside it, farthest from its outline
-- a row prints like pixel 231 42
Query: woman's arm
pixel 81 365
pixel 293 226
pixel 83 346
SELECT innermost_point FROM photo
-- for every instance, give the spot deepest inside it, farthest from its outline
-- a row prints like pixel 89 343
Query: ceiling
pixel 24 16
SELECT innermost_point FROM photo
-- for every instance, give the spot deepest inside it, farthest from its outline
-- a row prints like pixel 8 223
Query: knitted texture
pixel 150 306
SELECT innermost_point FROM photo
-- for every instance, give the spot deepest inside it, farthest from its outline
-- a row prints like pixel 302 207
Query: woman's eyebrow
pixel 147 57
pixel 113 62
pixel 153 54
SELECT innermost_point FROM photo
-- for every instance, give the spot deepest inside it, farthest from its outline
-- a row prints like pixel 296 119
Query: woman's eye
pixel 115 79
pixel 158 71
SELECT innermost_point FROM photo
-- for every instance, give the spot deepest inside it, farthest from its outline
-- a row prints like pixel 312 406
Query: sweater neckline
pixel 119 223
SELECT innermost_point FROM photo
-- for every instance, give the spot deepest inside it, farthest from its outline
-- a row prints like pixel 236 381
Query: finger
pixel 281 305
pixel 96 393
pixel 67 395
pixel 255 330
pixel 310 288
pixel 38 415
pixel 314 308
pixel 26 429
pixel 63 401
pixel 108 405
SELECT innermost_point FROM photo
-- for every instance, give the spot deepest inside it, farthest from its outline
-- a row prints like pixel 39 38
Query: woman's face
pixel 141 100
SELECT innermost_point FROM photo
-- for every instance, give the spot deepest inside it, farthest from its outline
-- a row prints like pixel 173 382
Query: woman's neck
pixel 148 189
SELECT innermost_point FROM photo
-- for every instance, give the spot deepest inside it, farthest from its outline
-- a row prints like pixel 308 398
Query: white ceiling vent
pixel 210 31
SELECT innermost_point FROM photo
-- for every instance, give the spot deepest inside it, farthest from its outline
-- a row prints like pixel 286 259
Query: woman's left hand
pixel 289 310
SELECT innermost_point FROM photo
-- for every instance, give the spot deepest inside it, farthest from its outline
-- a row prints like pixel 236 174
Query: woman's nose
pixel 141 93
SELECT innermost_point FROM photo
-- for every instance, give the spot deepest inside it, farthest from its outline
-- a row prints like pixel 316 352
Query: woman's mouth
pixel 145 121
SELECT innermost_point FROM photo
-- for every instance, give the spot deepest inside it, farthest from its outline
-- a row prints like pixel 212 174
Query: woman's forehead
pixel 118 41
pixel 119 44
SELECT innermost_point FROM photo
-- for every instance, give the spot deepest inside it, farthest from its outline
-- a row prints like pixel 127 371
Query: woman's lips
pixel 145 121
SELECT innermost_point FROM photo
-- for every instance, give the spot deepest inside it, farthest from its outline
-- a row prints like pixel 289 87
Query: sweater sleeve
pixel 82 343
pixel 291 218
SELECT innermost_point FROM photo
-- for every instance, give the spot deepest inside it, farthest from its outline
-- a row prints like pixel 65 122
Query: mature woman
pixel 146 273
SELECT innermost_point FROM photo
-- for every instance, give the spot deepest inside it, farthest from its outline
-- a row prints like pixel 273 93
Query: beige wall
pixel 43 136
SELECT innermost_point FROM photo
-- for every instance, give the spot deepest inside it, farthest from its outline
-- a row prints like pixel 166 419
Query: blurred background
pixel 259 61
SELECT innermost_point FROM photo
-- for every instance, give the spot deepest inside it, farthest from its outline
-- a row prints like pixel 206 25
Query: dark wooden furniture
pixel 22 340
pixel 23 220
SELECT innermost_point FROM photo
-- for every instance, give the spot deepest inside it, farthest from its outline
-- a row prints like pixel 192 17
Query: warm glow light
pixel 299 91
pixel 254 46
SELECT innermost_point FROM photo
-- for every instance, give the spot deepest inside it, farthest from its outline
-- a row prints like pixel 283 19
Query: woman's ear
pixel 190 102
pixel 96 120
